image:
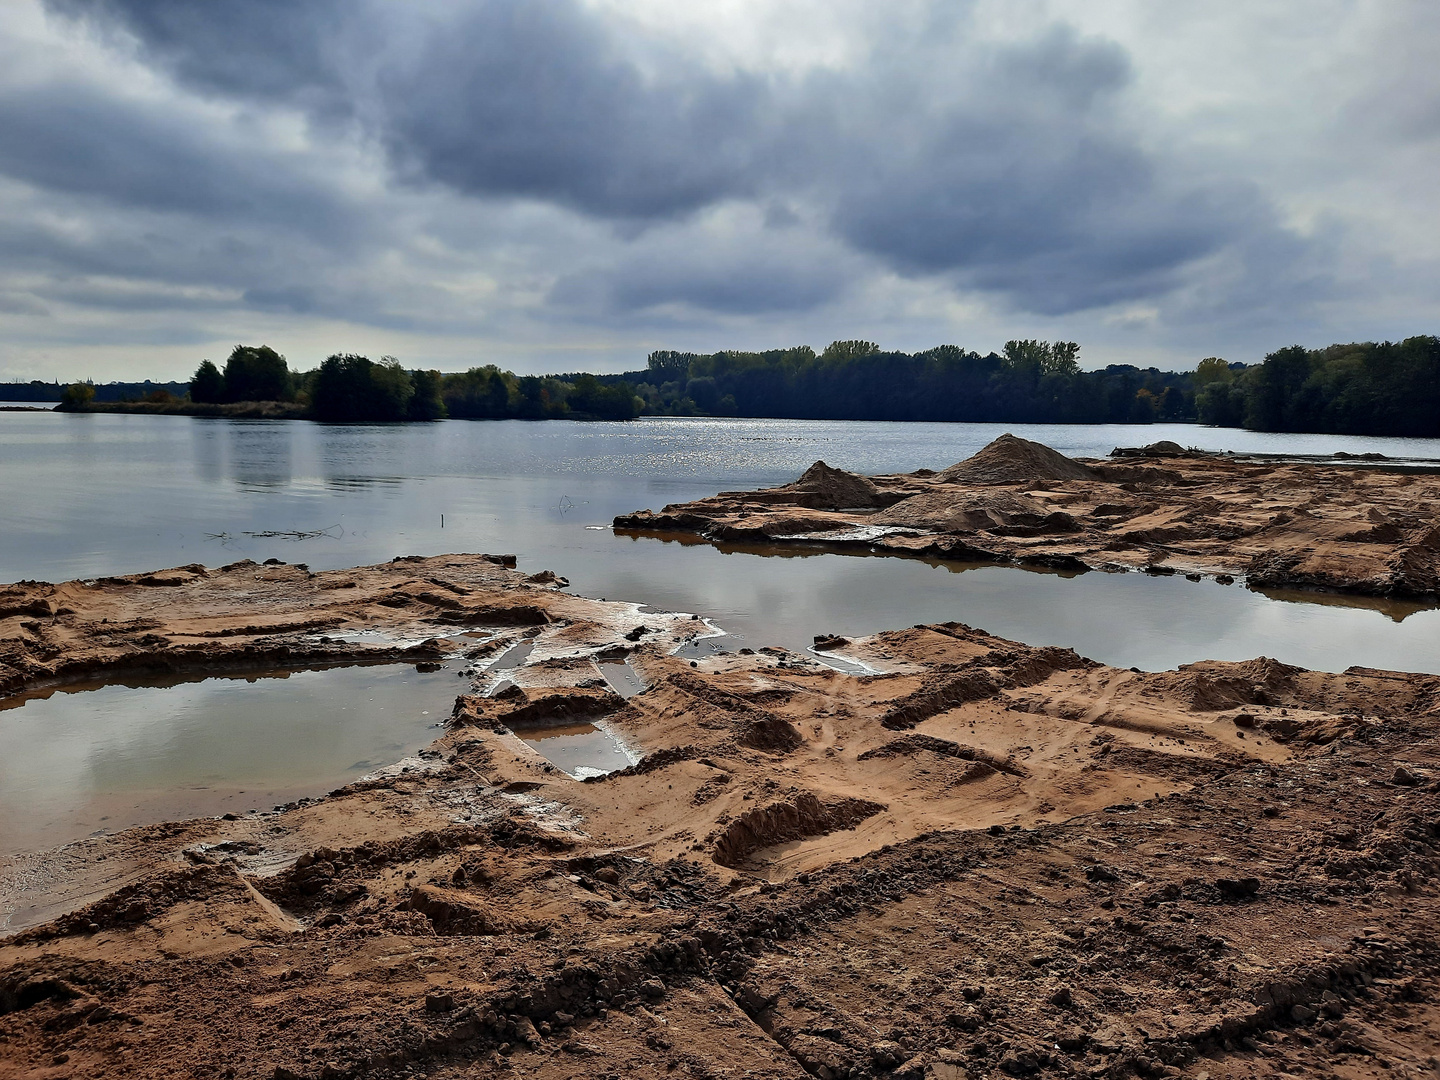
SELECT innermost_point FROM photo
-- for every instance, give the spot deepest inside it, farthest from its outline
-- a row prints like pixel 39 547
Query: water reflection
pixel 1396 610
pixel 207 451
pixel 104 757
pixel 260 453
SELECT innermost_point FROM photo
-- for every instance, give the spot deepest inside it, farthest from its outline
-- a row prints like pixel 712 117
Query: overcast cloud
pixel 561 185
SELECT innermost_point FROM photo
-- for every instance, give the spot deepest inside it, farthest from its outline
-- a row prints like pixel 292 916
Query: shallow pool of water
pixel 579 750
pixel 87 760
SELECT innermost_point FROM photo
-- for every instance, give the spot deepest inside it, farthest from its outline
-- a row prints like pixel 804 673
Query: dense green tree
pixel 1273 390
pixel 1220 404
pixel 349 387
pixel 587 396
pixel 1385 388
pixel 849 350
pixel 207 385
pixel 669 366
pixel 483 393
pixel 1144 408
pixel 256 373
pixel 1210 370
pixel 427 402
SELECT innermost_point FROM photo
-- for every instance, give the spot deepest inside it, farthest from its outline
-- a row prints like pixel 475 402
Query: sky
pixel 565 185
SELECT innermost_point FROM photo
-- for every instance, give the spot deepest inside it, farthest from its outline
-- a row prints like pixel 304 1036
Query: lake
pixel 91 495
pixel 95 494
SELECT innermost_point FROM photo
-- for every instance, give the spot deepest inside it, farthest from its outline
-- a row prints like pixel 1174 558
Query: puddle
pixel 88 759
pixel 623 678
pixel 512 657
pixel 580 750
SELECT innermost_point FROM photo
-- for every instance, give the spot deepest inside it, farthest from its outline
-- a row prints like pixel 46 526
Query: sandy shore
pixel 1369 527
pixel 981 859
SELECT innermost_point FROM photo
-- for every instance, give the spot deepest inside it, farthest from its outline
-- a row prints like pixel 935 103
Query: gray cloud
pixel 757 275
pixel 72 139
pixel 282 50
pixel 1015 176
pixel 1015 168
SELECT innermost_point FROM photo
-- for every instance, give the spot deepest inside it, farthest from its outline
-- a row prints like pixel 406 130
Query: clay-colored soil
pixel 984 859
pixel 1349 527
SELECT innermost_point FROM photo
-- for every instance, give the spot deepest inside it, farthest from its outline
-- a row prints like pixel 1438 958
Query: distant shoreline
pixel 235 410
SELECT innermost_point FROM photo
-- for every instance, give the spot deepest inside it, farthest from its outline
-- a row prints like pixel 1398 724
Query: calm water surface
pixel 88 495
pixel 87 760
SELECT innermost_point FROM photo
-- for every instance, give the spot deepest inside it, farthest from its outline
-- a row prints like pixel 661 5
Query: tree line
pixel 350 387
pixel 1365 388
pixel 1028 381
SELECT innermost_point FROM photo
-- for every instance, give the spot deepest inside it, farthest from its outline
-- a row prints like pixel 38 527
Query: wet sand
pixel 984 858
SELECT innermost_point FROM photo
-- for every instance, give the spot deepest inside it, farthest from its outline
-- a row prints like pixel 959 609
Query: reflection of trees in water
pixel 347 453
pixel 252 454
pixel 360 483
pixel 207 450
pixel 260 453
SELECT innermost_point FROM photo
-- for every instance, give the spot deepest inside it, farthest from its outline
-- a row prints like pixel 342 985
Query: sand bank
pixel 984 858
pixel 1365 527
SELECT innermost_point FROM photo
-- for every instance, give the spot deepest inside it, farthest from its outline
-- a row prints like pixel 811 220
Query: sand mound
pixel 1163 448
pixel 949 511
pixel 825 488
pixel 1011 460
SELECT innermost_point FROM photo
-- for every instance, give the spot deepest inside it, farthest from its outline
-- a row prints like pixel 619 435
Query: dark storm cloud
pixel 538 101
pixel 76 140
pixel 1004 169
pixel 1027 185
pixel 285 50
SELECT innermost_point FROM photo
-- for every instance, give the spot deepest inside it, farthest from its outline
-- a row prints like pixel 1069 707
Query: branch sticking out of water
pixel 334 532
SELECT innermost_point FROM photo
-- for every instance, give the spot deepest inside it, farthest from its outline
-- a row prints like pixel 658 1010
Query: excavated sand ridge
pixel 987 859
pixel 1353 528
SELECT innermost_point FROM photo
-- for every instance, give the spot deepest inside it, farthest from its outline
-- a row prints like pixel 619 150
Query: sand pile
pixel 1162 449
pixel 824 488
pixel 947 511
pixel 1011 460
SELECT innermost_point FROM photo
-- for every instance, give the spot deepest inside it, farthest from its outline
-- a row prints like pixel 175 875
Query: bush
pixel 76 397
